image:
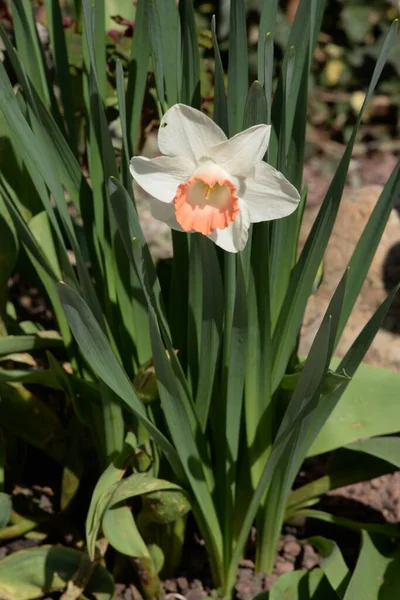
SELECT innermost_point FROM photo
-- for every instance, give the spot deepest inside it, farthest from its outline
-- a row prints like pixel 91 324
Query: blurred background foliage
pixel 352 33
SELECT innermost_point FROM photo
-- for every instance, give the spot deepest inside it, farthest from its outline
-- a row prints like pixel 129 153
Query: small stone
pixel 246 564
pixel 283 566
pixel 293 548
pixel 170 585
pixel 182 584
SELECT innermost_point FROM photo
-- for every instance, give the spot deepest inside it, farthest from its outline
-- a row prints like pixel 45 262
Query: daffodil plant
pixel 185 374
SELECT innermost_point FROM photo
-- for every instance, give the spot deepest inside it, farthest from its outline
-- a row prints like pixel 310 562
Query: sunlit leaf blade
pixel 9 247
pixel 366 247
pixel 36 572
pixel 97 351
pixel 376 574
pixel 60 56
pixel 238 78
pixel 300 585
pixel 303 415
pixel 137 75
pixel 366 388
pixel 386 529
pixel 121 531
pixel 29 46
pixel 104 490
pixel 190 88
pixel 304 273
pixel 220 102
pixel 292 437
pixel 332 564
pixel 211 329
pixel 267 26
pixel 346 467
pixel 385 448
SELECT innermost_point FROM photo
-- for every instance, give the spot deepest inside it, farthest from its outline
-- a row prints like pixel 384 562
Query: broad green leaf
pixel 26 343
pixel 41 230
pixel 166 506
pixel 103 492
pixel 5 509
pixel 300 585
pixel 346 467
pixel 97 351
pixel 387 529
pixel 385 448
pixel 121 531
pixel 332 564
pixel 28 417
pixel 368 407
pixel 32 573
pixel 377 573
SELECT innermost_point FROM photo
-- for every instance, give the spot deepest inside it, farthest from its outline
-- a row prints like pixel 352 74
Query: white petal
pixel 269 195
pixel 185 131
pixel 160 176
pixel 162 211
pixel 241 153
pixel 234 237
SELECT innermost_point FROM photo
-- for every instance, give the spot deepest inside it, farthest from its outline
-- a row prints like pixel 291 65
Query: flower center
pixel 206 202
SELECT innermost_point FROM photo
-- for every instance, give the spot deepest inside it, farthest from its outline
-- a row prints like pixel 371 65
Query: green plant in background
pixel 234 411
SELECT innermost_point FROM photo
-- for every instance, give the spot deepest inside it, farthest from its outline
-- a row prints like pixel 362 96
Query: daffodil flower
pixel 210 184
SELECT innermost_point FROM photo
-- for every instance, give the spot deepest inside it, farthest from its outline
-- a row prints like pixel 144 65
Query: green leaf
pixel 345 468
pixel 306 268
pixel 190 88
pixel 385 448
pixel 377 573
pixel 29 47
pixel 27 416
pixel 137 76
pixel 332 564
pixel 5 509
pixel 388 529
pixel 300 425
pixel 103 491
pixel 220 102
pixel 120 529
pixel 60 57
pixel 32 573
pixel 300 585
pixel 364 252
pixel 368 407
pixel 292 440
pixel 238 78
pixel 8 256
pixel 97 351
pixel 26 343
pixel 210 328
